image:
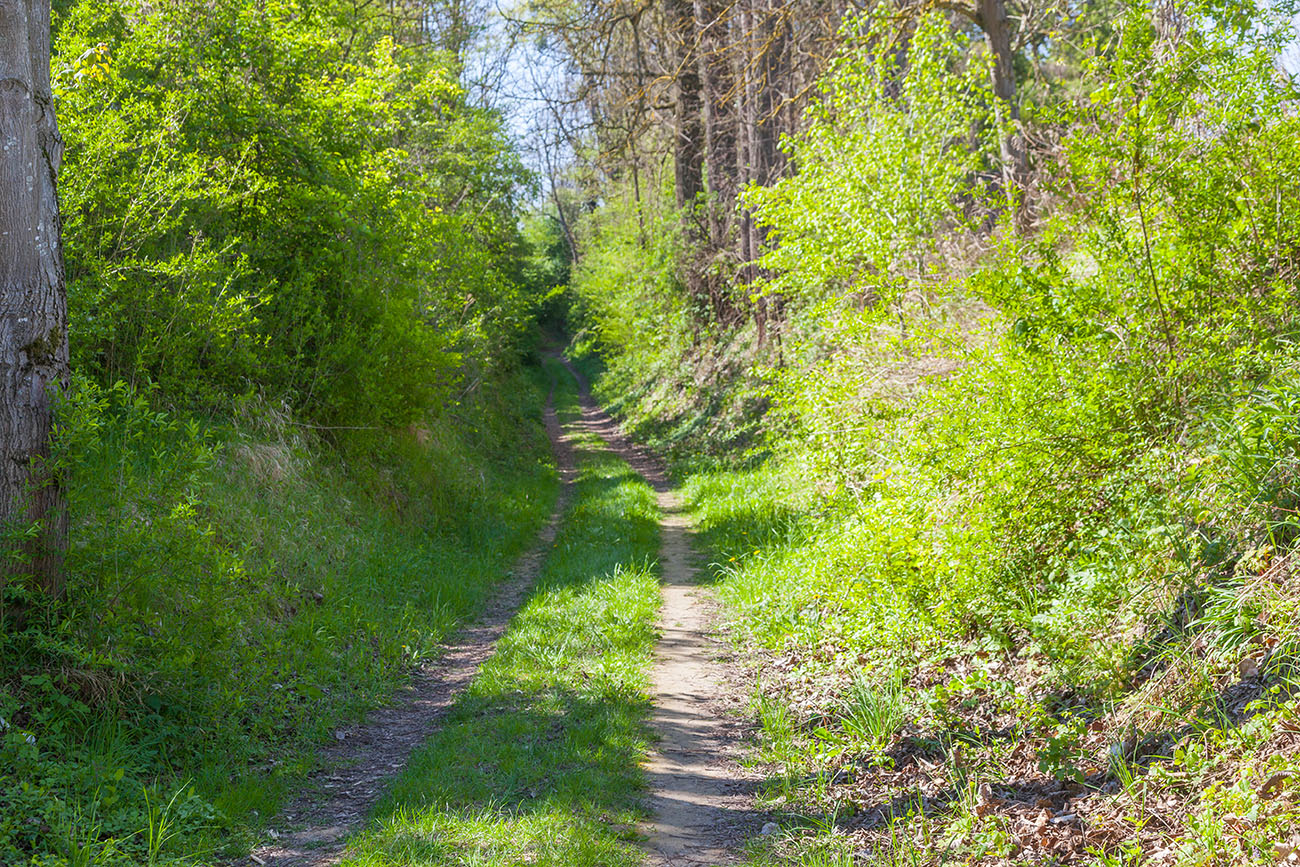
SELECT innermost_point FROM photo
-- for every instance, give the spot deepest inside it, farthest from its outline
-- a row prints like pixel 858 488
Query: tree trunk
pixel 713 20
pixel 991 16
pixel 775 65
pixel 768 75
pixel 33 305
pixel 749 168
pixel 688 145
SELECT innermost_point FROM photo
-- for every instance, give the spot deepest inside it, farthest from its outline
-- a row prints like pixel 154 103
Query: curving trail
pixel 359 766
pixel 700 799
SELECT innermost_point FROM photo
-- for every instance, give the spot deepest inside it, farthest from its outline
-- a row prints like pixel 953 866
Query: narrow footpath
pixel 701 799
pixel 359 765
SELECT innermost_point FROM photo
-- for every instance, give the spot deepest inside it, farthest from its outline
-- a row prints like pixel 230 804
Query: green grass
pixel 902 625
pixel 539 761
pixel 236 590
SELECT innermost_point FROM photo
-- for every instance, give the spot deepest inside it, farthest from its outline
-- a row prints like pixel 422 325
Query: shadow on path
pixel 700 800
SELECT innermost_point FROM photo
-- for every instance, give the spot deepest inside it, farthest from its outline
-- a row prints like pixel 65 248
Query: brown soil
pixel 701 799
pixel 359 765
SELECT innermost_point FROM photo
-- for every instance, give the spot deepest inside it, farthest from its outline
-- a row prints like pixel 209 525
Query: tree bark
pixel 749 167
pixel 991 15
pixel 775 65
pixel 688 140
pixel 767 29
pixel 713 20
pixel 33 304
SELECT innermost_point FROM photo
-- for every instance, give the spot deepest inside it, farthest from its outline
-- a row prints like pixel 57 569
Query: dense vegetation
pixel 984 387
pixel 1007 515
pixel 298 293
pixel 285 199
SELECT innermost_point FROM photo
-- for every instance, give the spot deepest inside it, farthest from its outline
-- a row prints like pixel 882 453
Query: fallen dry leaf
pixel 1273 785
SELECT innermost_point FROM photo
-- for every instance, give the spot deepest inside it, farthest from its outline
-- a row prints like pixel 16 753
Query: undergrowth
pixel 236 588
pixel 692 393
pixel 1015 547
pixel 1021 624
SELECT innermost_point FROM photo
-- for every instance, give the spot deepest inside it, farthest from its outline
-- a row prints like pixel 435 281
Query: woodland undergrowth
pixel 236 591
pixel 1011 534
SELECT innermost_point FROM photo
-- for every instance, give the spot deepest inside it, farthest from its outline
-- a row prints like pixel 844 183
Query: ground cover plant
pixel 1152 733
pixel 1014 548
pixel 235 591
pixel 539 761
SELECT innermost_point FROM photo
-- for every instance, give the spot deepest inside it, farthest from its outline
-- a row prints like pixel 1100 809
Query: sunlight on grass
pixel 539 761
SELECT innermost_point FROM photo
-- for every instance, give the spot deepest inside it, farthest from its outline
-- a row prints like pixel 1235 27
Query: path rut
pixel 358 767
pixel 700 799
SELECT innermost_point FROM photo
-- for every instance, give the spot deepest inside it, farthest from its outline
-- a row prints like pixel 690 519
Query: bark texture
pixel 768 75
pixel 33 306
pixel 991 15
pixel 714 20
pixel 688 123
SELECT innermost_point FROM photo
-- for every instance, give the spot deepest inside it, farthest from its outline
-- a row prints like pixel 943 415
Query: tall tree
pixel 33 305
pixel 767 77
pixel 717 75
pixel 709 87
pixel 688 136
pixel 992 18
pixel 688 122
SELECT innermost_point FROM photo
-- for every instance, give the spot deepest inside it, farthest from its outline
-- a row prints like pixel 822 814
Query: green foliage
pixel 279 198
pixel 280 217
pixel 1019 473
pixel 682 384
pixel 1066 441
pixel 890 149
pixel 873 713
pixel 1184 159
pixel 233 592
pixel 626 294
pixel 547 269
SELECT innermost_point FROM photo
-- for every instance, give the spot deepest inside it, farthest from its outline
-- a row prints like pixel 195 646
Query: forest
pixel 649 432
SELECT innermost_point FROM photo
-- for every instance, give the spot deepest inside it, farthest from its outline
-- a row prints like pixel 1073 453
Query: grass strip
pixel 539 761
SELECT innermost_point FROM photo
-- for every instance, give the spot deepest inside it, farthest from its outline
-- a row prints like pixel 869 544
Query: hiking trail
pixel 700 798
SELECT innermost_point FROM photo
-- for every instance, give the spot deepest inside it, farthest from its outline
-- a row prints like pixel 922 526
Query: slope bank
pixel 1005 503
pixel 237 590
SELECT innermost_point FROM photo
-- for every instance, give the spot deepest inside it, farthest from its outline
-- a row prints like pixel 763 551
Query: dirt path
pixel 700 797
pixel 359 765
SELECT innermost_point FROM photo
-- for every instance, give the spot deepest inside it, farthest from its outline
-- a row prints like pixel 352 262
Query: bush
pixel 282 200
pixel 233 592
